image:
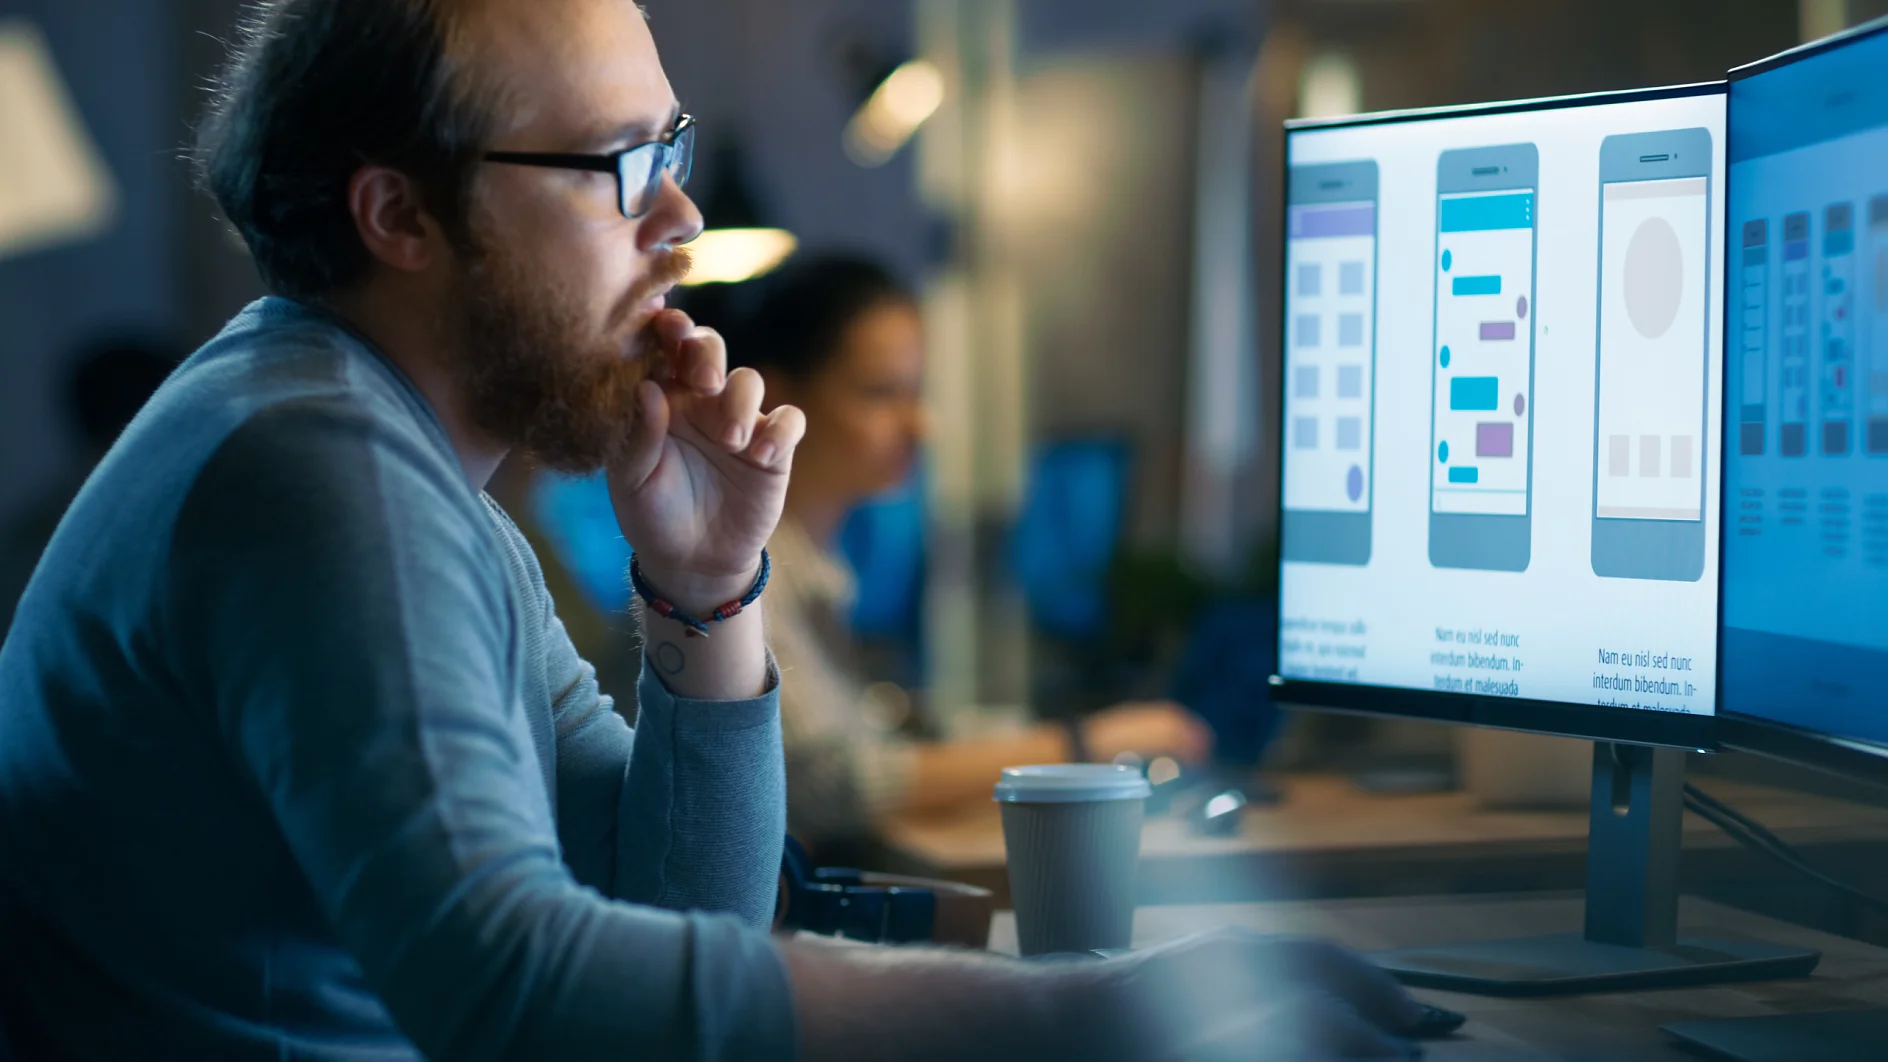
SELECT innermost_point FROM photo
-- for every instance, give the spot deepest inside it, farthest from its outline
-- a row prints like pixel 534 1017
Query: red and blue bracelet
pixel 697 628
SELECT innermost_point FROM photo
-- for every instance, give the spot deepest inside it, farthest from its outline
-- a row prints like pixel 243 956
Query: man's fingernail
pixel 764 455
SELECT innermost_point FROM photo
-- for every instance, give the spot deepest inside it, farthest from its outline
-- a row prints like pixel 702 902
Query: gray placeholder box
pixel 1308 330
pixel 1350 330
pixel 1306 382
pixel 1304 433
pixel 1310 278
pixel 1619 455
pixel 1350 381
pixel 1681 457
pixel 1649 449
pixel 1350 433
pixel 1350 278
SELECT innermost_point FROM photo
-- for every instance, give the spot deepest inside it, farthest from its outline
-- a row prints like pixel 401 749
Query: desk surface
pixel 1615 1027
pixel 1329 838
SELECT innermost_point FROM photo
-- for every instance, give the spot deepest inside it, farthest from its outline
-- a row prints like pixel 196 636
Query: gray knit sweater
pixel 297 762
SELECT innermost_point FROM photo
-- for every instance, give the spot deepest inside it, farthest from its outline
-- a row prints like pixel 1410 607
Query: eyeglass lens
pixel 640 170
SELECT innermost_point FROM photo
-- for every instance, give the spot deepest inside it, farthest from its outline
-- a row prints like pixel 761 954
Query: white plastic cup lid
pixel 1071 783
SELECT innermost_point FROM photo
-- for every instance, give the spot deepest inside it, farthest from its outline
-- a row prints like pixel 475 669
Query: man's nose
pixel 671 221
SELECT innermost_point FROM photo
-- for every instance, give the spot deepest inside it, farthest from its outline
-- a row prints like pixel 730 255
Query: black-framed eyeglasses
pixel 638 168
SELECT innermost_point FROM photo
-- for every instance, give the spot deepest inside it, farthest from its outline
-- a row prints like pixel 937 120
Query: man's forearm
pixel 940 1006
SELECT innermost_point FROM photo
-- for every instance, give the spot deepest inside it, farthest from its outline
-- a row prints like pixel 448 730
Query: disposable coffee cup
pixel 1072 838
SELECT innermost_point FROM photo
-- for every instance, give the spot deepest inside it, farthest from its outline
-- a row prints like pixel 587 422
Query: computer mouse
pixel 1217 815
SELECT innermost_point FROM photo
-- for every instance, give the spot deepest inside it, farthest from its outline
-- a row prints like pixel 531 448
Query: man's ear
pixel 391 219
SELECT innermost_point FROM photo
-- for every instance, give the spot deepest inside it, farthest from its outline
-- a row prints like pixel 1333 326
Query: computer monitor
pixel 1805 597
pixel 1502 354
pixel 1804 655
pixel 1500 485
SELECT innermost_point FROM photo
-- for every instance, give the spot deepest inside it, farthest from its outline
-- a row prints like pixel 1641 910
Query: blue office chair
pixel 1225 675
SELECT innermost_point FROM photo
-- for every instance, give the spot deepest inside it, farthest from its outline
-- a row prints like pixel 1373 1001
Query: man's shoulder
pixel 288 382
pixel 283 399
pixel 279 353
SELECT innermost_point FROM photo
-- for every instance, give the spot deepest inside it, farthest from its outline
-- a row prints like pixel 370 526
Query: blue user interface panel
pixel 1806 473
pixel 1503 359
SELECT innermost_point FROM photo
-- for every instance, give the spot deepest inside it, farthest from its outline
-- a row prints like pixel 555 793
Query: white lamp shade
pixel 54 186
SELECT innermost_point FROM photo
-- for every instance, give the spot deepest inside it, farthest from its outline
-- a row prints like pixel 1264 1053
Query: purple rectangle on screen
pixel 1338 219
pixel 1497 329
pixel 1494 440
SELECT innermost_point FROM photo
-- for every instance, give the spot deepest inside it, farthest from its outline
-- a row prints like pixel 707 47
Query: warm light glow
pixel 902 102
pixel 1164 769
pixel 728 256
pixel 1331 87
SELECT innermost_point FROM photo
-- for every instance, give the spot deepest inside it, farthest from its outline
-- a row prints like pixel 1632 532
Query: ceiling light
pixel 905 100
pixel 729 256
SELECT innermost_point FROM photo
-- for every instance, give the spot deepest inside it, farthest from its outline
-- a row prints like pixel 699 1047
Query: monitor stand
pixel 1631 939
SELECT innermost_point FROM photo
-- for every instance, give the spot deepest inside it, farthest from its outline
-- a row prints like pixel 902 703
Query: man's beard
pixel 538 375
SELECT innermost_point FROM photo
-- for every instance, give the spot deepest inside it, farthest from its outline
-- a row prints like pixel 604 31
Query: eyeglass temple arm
pixel 599 163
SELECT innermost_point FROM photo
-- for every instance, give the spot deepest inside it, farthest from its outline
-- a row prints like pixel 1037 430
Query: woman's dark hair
pixel 313 90
pixel 792 320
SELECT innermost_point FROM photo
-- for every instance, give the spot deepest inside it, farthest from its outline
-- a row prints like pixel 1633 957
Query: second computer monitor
pixel 1503 352
pixel 1806 545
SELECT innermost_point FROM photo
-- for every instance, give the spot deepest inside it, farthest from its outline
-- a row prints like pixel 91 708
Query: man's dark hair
pixel 315 89
pixel 793 320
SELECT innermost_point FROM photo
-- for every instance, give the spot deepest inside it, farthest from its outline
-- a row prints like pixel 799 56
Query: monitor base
pixel 1831 1036
pixel 1568 963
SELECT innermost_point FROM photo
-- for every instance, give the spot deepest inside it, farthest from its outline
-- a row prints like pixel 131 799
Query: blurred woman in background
pixel 839 337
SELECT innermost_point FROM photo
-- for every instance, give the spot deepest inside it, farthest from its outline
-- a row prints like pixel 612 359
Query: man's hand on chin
pixel 697 493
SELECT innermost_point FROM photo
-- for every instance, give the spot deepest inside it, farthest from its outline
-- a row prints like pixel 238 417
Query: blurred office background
pixel 1086 192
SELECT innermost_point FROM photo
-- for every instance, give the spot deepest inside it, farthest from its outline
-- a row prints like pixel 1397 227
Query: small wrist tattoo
pixel 669 658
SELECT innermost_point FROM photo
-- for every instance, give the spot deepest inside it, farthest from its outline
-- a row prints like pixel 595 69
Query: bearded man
pixel 296 761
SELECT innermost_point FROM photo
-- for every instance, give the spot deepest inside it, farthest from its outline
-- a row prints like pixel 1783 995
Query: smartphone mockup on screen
pixel 1482 359
pixel 1875 317
pixel 1652 375
pixel 1330 361
pixel 1837 339
pixel 1752 324
pixel 1793 362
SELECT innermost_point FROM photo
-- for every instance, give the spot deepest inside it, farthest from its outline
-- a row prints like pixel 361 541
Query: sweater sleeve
pixel 686 811
pixel 339 603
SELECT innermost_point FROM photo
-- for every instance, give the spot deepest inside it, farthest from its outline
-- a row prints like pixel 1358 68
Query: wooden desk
pixel 1328 838
pixel 1620 1026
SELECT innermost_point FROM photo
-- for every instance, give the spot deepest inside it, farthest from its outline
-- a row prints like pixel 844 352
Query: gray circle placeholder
pixel 1654 277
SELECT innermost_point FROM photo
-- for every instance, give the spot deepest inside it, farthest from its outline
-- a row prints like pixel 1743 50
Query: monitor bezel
pixel 1592 722
pixel 1849 757
pixel 1805 51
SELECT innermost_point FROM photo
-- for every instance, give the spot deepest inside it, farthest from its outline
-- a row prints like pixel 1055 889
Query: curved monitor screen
pixel 1502 397
pixel 1806 550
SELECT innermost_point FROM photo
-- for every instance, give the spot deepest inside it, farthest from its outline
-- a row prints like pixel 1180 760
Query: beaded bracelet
pixel 697 628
